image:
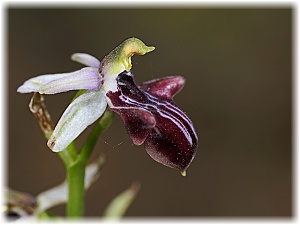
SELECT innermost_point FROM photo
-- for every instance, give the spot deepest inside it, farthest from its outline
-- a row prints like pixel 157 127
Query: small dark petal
pixel 151 117
pixel 139 123
pixel 165 87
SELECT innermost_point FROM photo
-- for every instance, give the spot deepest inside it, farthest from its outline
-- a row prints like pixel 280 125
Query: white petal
pixel 87 78
pixel 86 59
pixel 59 194
pixel 82 112
pixel 34 84
pixel 52 197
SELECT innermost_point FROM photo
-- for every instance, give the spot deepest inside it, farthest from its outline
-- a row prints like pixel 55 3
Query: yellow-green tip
pixel 133 46
pixel 183 173
pixel 119 59
pixel 130 47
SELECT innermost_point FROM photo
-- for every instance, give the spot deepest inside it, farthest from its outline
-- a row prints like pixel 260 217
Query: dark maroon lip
pixel 152 118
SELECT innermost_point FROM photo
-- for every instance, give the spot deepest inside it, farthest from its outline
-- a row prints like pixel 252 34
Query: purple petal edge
pixel 87 78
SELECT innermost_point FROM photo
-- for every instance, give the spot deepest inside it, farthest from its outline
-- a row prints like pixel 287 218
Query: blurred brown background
pixel 238 66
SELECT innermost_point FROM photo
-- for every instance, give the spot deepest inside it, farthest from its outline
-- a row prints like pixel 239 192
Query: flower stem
pixel 69 155
pixel 75 177
pixel 76 171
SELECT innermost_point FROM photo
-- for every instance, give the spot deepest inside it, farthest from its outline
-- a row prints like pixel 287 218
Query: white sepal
pixel 82 112
pixel 86 78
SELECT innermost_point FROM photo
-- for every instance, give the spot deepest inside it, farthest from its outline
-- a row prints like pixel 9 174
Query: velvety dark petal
pixel 138 122
pixel 165 88
pixel 171 140
pixel 171 146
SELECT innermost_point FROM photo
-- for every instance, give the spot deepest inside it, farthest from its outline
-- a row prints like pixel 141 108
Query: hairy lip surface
pixel 151 117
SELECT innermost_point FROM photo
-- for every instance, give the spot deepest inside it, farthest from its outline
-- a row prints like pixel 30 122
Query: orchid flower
pixel 147 110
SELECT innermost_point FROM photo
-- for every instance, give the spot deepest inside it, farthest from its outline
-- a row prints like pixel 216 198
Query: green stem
pixel 76 170
pixel 75 176
pixel 68 155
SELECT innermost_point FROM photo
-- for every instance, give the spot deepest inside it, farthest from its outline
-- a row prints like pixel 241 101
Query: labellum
pixel 152 118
